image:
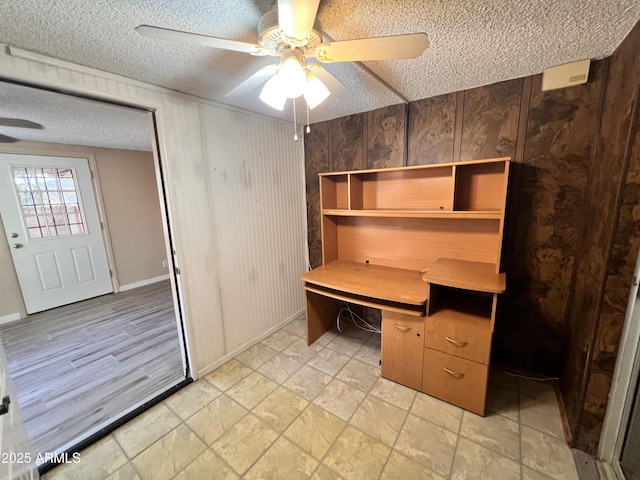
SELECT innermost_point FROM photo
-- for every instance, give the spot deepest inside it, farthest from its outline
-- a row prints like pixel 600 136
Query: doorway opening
pixel 620 438
pixel 629 458
pixel 83 358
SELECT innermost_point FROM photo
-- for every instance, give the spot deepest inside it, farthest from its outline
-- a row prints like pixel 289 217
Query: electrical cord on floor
pixel 537 379
pixel 357 320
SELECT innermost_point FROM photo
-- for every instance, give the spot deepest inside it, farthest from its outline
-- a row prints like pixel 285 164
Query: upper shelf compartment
pixel 335 191
pixel 465 190
pixel 408 189
pixel 481 186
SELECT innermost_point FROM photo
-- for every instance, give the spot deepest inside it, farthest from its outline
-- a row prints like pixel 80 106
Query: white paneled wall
pixel 239 242
pixel 255 173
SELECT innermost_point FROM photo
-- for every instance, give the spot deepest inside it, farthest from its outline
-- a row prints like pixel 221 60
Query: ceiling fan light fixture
pixel 292 73
pixel 315 92
pixel 273 93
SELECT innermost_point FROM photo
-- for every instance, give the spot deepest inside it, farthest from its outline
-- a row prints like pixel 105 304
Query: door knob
pixel 4 406
pixel 14 235
pixel 17 245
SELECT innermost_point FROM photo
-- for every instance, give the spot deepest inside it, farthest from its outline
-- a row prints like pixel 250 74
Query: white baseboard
pixel 12 317
pixel 211 367
pixel 142 283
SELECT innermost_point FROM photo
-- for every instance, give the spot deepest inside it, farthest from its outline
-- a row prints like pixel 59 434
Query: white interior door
pixel 51 221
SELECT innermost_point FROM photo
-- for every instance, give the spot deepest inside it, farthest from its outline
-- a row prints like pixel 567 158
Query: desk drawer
pixel 462 338
pixel 455 380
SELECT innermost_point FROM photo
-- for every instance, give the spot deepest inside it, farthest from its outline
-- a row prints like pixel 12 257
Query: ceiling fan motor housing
pixel 271 36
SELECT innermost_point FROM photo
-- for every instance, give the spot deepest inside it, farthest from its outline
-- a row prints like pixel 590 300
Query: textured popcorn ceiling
pixel 473 42
pixel 70 120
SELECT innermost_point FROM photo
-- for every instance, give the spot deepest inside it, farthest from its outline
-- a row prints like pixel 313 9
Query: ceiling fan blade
pixel 332 83
pixel 254 81
pixel 198 39
pixel 7 139
pixel 19 123
pixel 377 48
pixel 296 19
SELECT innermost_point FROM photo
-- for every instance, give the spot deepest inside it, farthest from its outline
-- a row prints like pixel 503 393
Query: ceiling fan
pixel 19 123
pixel 293 33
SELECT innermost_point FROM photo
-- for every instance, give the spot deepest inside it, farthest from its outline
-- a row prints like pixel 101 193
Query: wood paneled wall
pixel 608 249
pixel 572 231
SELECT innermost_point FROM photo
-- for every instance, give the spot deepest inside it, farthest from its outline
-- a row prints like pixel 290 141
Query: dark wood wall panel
pixel 431 129
pixel 385 137
pixel 316 154
pixel 618 161
pixel 560 132
pixel 614 305
pixel 346 139
pixel 573 227
pixel 490 120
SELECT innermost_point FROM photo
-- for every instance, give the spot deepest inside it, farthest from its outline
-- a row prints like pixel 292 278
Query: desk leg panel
pixel 321 315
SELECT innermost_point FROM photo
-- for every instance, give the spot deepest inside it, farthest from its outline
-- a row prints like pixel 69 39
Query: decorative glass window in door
pixel 50 201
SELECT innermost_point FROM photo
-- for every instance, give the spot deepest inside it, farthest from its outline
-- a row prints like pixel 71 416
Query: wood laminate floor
pixel 79 367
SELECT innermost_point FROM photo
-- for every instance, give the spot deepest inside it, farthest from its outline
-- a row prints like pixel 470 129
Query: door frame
pixel 625 377
pixel 107 92
pixel 149 107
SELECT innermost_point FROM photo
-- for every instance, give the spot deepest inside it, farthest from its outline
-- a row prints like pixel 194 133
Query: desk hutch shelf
pixel 422 244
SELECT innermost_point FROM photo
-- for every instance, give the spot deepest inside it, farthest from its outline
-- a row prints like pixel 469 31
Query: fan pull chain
pixel 308 126
pixel 295 122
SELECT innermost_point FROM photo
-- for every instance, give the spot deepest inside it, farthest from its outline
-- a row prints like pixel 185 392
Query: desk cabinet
pixel 422 244
pixel 402 348
pixel 458 332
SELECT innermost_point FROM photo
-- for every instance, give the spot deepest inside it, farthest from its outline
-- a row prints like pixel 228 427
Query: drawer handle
pixel 456 342
pixel 452 373
pixel 401 327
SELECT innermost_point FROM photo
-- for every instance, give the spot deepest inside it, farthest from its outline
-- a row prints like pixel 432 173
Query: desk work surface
pixel 386 283
pixel 478 276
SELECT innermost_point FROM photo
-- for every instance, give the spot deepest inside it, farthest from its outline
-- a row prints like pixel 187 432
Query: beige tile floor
pixel 282 410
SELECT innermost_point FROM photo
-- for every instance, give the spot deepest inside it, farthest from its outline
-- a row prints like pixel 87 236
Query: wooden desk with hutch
pixel 423 245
